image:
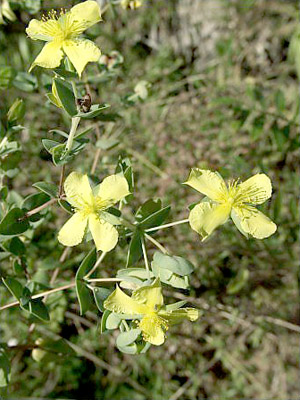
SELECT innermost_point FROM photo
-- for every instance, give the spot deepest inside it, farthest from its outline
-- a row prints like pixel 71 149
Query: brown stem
pixel 37 296
pixel 40 208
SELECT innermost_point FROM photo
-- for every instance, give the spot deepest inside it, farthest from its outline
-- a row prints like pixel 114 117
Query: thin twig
pixel 97 263
pixel 40 208
pixel 183 221
pixel 37 296
pixel 156 243
pixel 145 256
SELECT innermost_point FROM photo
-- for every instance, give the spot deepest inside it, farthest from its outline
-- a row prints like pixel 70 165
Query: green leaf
pixel 13 224
pixel 103 321
pixel 107 144
pixel 39 310
pixel 48 188
pixel 152 214
pixel 170 278
pixel 66 96
pixel 95 111
pixel 148 208
pixel 35 200
pixel 65 73
pixel 175 306
pixel 135 251
pixel 16 246
pixel 59 155
pixel 126 338
pixel 236 284
pixel 110 217
pixel 66 206
pixel 25 82
pixel 49 144
pixel 125 341
pixel 140 273
pixel 100 295
pixel 4 368
pixel 124 167
pixel 59 132
pixel 178 265
pixel 14 286
pixel 112 321
pixel 83 293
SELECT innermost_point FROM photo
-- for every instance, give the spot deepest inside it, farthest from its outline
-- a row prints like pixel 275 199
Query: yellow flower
pixel 89 207
pixel 61 32
pixel 235 200
pixel 132 4
pixel 147 304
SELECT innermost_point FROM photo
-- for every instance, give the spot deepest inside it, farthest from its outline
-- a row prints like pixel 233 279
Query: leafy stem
pixel 58 289
pixel 74 125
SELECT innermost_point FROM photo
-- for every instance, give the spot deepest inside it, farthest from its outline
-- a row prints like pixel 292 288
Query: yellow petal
pixel 255 190
pixel 207 216
pixel 113 188
pixel 151 296
pixel 207 182
pixel 83 15
pixel 253 222
pixel 176 316
pixel 104 234
pixel 152 329
pixel 43 30
pixel 73 230
pixel 49 57
pixel 80 52
pixel 78 189
pixel 120 302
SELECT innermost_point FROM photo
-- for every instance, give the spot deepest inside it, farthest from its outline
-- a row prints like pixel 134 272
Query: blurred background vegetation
pixel 222 95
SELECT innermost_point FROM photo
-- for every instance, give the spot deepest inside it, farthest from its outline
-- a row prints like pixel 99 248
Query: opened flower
pixel 90 209
pixel 62 34
pixel 146 306
pixel 235 200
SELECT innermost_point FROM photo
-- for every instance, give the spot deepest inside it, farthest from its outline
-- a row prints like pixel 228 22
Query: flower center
pixel 94 206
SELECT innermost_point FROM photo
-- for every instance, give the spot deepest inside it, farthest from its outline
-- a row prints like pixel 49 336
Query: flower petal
pixel 120 302
pixel 151 296
pixel 113 188
pixel 255 190
pixel 176 316
pixel 73 230
pixel 49 57
pixel 80 52
pixel 207 182
pixel 84 15
pixel 152 329
pixel 206 216
pixel 78 189
pixel 104 234
pixel 43 30
pixel 251 221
